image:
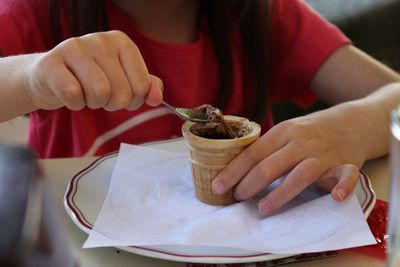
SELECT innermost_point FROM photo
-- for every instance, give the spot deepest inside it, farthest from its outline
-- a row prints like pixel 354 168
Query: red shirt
pixel 301 41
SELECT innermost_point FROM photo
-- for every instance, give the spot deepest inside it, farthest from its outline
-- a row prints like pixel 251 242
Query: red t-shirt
pixel 301 40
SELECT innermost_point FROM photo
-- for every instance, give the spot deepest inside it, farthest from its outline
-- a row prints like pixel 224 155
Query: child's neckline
pixel 132 29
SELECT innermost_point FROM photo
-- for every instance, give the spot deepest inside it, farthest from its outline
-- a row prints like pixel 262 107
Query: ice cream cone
pixel 209 156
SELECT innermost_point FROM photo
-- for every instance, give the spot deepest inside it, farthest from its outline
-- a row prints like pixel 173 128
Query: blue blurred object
pixel 30 229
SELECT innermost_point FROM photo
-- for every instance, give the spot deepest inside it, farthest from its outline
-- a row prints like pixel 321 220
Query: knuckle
pixel 246 189
pixel 294 128
pixel 100 43
pixel 268 169
pixel 100 88
pixel 250 155
pixel 298 129
pixel 71 43
pixel 70 92
pixel 308 171
pixel 128 44
pixel 98 93
pixel 286 125
pixel 117 33
pixel 262 171
pixel 123 39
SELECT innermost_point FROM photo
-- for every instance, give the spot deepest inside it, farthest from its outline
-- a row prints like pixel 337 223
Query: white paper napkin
pixel 151 201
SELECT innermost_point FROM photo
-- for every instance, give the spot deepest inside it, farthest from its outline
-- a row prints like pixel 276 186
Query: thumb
pixel 347 176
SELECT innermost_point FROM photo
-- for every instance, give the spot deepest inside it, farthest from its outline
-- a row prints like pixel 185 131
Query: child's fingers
pixel 267 171
pixel 346 177
pixel 56 85
pixel 69 90
pixel 304 174
pixel 94 82
pixel 110 71
pixel 120 92
pixel 135 69
pixel 242 164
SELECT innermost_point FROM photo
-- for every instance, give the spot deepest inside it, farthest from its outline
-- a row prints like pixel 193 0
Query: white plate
pixel 87 191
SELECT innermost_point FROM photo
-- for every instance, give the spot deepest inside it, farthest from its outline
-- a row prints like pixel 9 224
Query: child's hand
pixel 325 148
pixel 100 70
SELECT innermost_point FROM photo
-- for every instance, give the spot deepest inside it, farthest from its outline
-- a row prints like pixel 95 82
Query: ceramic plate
pixel 87 191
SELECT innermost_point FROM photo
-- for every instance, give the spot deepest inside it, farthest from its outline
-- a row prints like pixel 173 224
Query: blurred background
pixel 372 25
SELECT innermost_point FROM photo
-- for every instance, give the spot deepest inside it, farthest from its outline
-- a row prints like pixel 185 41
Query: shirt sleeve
pixel 24 27
pixel 301 42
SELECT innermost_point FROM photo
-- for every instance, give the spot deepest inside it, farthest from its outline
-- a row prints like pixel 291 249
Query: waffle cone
pixel 209 156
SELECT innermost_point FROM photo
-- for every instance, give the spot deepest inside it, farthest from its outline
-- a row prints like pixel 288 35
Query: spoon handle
pixel 168 106
pixel 174 110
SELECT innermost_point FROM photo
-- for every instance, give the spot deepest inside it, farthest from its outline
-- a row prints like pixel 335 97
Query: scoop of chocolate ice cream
pixel 212 113
pixel 218 127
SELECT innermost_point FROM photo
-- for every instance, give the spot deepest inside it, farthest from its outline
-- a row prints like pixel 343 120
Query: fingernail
pixel 265 207
pixel 340 194
pixel 218 188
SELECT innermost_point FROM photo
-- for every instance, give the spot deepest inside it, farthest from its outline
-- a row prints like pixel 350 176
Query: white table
pixel 60 171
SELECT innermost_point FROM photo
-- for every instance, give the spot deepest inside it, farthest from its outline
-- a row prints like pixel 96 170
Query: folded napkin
pixel 151 202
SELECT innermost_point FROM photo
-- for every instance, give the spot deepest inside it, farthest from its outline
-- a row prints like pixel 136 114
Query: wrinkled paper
pixel 151 202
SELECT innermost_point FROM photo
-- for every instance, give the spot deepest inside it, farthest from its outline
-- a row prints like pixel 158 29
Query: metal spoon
pixel 188 113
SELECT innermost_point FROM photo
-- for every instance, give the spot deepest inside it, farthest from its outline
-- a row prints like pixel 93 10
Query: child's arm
pixel 350 74
pixel 14 100
pixel 325 147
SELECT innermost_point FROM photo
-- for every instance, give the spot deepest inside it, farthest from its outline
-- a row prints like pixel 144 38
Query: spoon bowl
pixel 189 114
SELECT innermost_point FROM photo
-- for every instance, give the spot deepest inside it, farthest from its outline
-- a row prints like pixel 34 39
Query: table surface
pixel 60 171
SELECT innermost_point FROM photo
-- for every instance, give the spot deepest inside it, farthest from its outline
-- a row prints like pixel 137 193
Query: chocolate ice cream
pixel 218 127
